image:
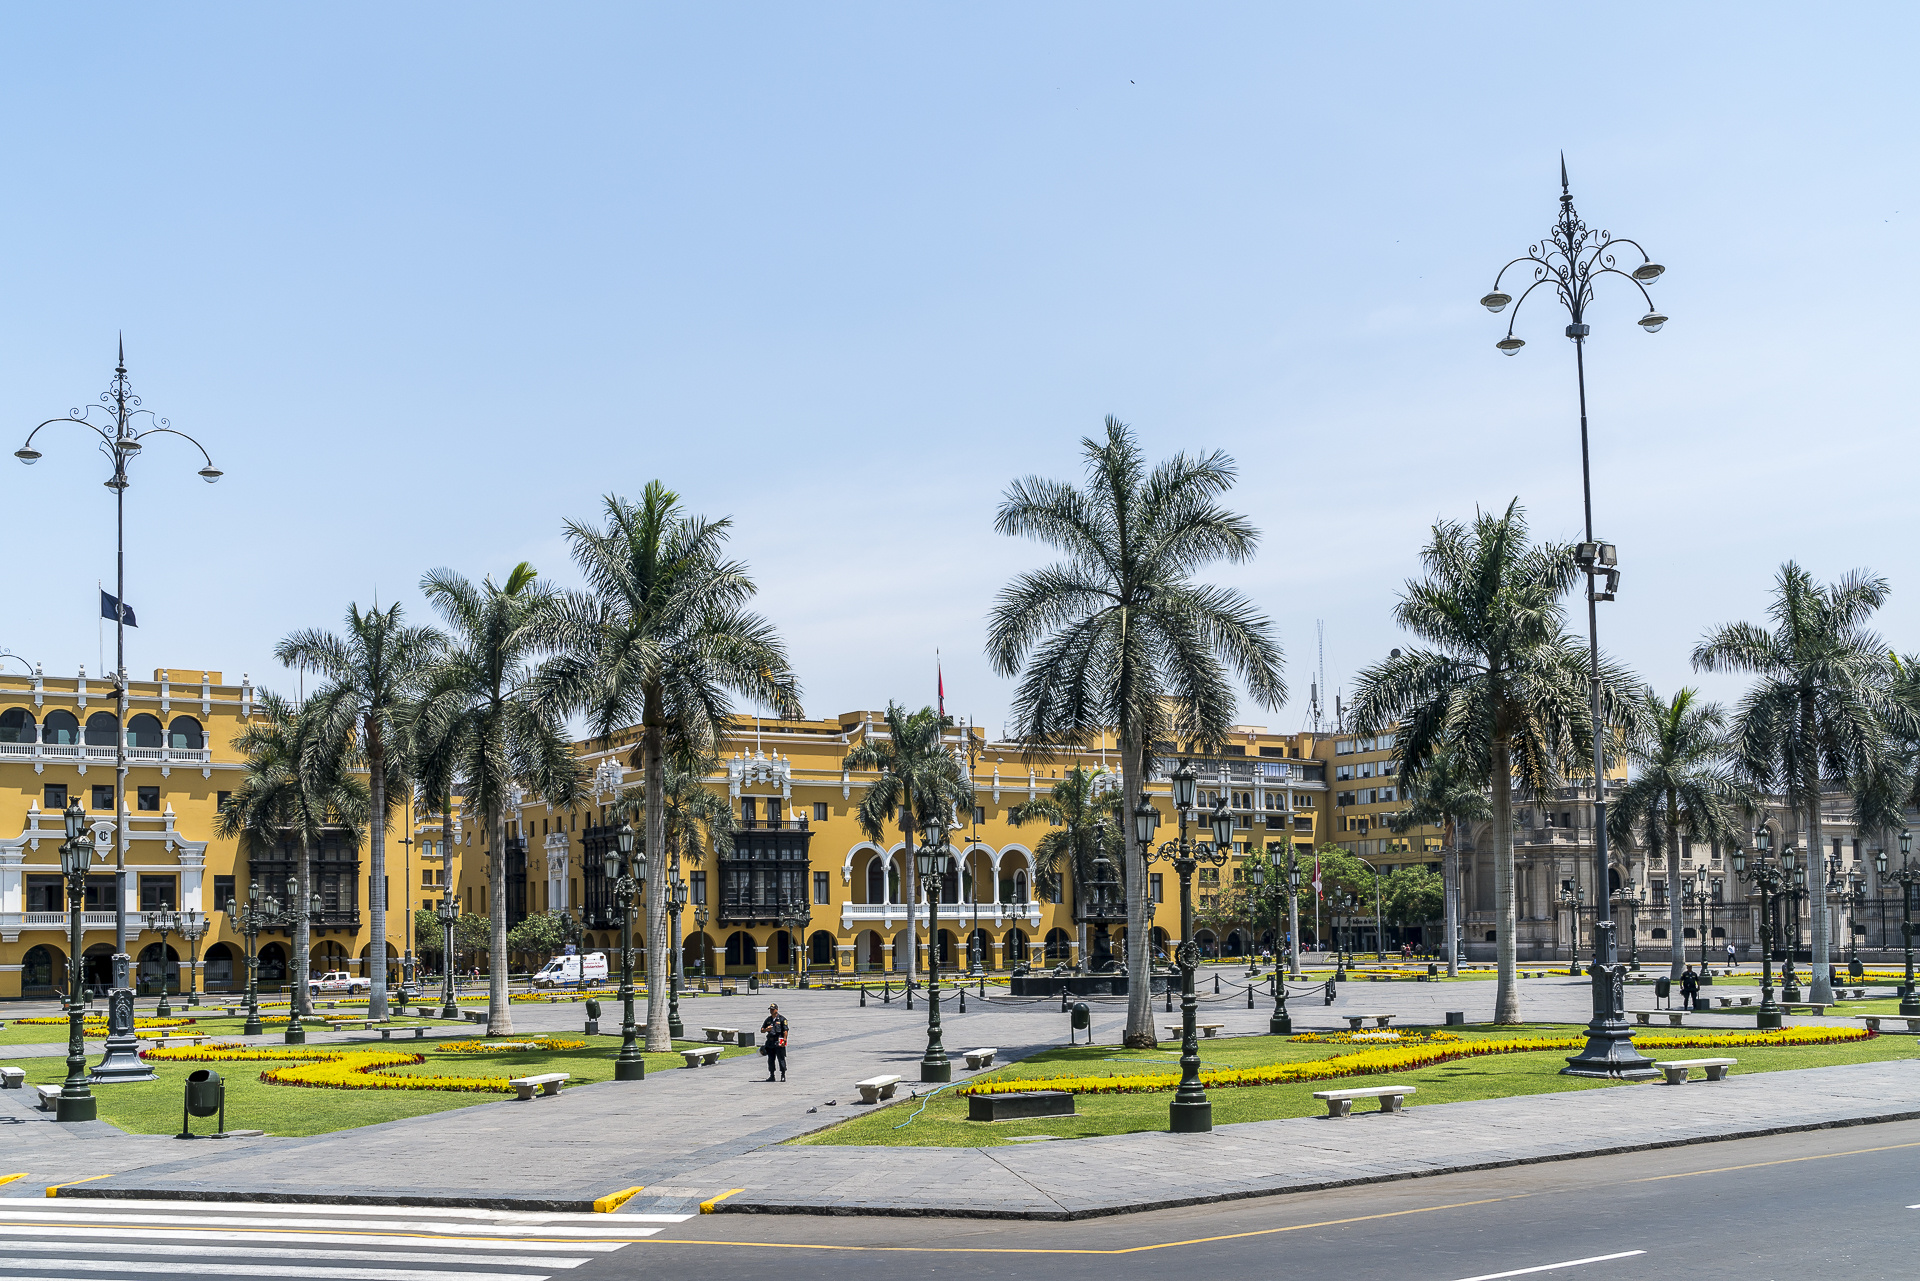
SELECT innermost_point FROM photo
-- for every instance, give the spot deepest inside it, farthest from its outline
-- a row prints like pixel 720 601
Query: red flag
pixel 1316 876
pixel 940 679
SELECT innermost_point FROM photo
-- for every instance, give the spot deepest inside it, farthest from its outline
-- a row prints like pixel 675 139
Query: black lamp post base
pixel 676 1029
pixel 1280 1025
pixel 296 1036
pixel 1609 1052
pixel 936 1073
pixel 1910 1004
pixel 254 1027
pixel 1766 1018
pixel 1189 1118
pixel 84 1108
pixel 121 1064
pixel 629 1069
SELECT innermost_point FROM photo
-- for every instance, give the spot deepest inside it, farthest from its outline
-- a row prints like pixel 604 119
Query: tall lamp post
pixel 1705 885
pixel 1854 895
pixel 1908 876
pixel 628 1064
pixel 1190 1112
pixel 76 853
pixel 297 910
pixel 249 920
pixel 676 903
pixel 1570 261
pixel 1574 895
pixel 1796 869
pixel 1768 876
pixel 120 440
pixel 1293 912
pixel 1636 899
pixel 193 928
pixel 1279 1023
pixel 700 919
pixel 794 916
pixel 449 914
pixel 931 861
pixel 163 922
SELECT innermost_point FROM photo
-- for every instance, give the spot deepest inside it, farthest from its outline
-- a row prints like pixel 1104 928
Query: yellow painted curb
pixel 706 1207
pixel 614 1200
pixel 9 1178
pixel 55 1189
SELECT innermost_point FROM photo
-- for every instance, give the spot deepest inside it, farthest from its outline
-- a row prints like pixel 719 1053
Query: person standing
pixel 1689 985
pixel 773 1044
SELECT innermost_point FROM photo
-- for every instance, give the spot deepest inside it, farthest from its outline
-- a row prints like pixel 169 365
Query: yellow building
pixel 1364 775
pixel 58 744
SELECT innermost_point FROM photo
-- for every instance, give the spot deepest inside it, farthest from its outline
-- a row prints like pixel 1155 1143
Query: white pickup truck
pixel 338 981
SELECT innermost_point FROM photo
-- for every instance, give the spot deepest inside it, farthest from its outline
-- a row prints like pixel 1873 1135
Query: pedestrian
pixel 1729 955
pixel 773 1043
pixel 1689 984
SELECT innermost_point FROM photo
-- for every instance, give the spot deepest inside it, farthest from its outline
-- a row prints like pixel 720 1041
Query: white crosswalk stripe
pixel 102 1240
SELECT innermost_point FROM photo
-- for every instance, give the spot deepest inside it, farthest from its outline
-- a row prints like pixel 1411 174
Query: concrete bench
pixel 1677 1069
pixel 703 1056
pixel 418 1029
pixel 875 1088
pixel 1175 1030
pixel 474 1016
pixel 977 1059
pixel 1645 1017
pixel 348 1025
pixel 1873 1021
pixel 1746 1000
pixel 545 1083
pixel 1340 1102
pixel 720 1035
pixel 1817 1008
pixel 48 1095
pixel 191 1038
pixel 12 1078
pixel 1356 1021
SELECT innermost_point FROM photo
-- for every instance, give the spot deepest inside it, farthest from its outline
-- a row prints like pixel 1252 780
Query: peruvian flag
pixel 940 682
pixel 1316 876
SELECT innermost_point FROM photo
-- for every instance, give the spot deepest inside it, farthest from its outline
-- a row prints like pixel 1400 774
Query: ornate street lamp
pixel 617 863
pixel 975 961
pixel 250 920
pixel 1280 1023
pixel 1795 869
pixel 1636 899
pixel 76 1101
pixel 794 915
pixel 1575 897
pixel 296 911
pixel 449 914
pixel 120 441
pixel 163 922
pixel 931 862
pixel 676 902
pixel 1908 876
pixel 700 919
pixel 1569 262
pixel 193 928
pixel 1190 1112
pixel 1760 870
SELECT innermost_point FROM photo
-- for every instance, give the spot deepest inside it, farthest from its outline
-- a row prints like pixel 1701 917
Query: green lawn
pixel 153 1107
pixel 944 1123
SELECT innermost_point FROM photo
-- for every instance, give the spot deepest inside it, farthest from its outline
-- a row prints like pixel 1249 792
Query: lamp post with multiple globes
pixel 931 862
pixel 629 1064
pixel 76 1101
pixel 1907 877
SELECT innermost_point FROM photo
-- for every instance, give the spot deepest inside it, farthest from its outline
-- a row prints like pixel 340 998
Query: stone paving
pixel 688 1136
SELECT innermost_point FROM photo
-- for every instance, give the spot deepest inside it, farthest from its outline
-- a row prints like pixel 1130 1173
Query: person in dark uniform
pixel 773 1042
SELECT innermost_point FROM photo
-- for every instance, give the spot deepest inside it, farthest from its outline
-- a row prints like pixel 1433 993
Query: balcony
pixel 890 915
pixel 58 921
pixel 771 825
pixel 105 755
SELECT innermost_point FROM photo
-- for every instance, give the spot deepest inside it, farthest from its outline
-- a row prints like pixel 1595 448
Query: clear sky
pixel 429 278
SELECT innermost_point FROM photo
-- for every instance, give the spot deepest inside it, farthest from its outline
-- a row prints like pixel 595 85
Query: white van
pixel 565 971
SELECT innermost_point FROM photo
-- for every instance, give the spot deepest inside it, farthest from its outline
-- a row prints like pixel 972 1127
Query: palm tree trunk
pixel 499 1013
pixel 659 1036
pixel 1506 997
pixel 1139 920
pixel 303 928
pixel 1450 895
pixel 1676 914
pixel 1816 861
pixel 377 878
pixel 910 880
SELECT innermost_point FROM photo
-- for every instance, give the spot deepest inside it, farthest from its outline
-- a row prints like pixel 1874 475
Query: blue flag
pixel 108 604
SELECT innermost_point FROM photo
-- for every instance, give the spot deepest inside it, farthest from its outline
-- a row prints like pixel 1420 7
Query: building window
pixel 979 814
pixel 53 797
pixel 749 809
pixel 149 798
pixel 220 800
pixel 1156 889
pixel 102 796
pixel 820 816
pixel 222 891
pixel 697 887
pixel 819 887
pixel 156 892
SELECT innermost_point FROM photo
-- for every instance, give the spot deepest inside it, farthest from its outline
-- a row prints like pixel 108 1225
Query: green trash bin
pixel 206 1096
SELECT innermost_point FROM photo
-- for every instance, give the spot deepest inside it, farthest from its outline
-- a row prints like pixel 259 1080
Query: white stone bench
pixel 1677 1069
pixel 875 1088
pixel 703 1056
pixel 1175 1030
pixel 545 1083
pixel 1356 1021
pixel 720 1035
pixel 49 1096
pixel 1340 1102
pixel 1819 1008
pixel 348 1025
pixel 977 1059
pixel 12 1078
pixel 1873 1021
pixel 191 1038
pixel 418 1029
pixel 1645 1017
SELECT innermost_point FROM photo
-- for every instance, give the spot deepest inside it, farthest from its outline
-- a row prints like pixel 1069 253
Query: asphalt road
pixel 1841 1203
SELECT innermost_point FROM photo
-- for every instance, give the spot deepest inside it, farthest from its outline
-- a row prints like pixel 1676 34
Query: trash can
pixel 753 982
pixel 1662 988
pixel 593 1017
pixel 206 1096
pixel 1082 1016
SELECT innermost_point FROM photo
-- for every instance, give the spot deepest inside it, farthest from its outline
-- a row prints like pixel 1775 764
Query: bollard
pixel 1169 998
pixel 863 996
pixel 1249 996
pixel 963 997
pixel 1216 985
pixel 1063 1000
pixel 1330 992
pixel 886 992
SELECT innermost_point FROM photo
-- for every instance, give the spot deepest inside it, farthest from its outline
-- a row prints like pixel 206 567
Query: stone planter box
pixel 1008 1107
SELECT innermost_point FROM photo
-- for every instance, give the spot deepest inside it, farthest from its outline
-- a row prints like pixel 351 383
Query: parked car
pixel 566 970
pixel 338 981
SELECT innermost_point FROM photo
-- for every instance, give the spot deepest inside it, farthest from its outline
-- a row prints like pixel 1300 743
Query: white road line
pixel 108 1205
pixel 265 1252
pixel 146 1268
pixel 187 1236
pixel 610 1226
pixel 1521 1272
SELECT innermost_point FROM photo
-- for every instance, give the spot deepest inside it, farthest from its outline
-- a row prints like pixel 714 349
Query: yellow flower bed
pixel 93 1021
pixel 488 1047
pixel 331 1069
pixel 1375 1036
pixel 1400 1059
pixel 571 994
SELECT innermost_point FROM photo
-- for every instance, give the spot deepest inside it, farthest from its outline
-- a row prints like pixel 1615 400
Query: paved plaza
pixel 692 1136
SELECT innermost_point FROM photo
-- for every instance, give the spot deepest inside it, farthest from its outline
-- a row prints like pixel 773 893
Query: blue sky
pixel 428 279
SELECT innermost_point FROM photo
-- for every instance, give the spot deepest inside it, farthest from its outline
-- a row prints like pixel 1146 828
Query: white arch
pixel 846 868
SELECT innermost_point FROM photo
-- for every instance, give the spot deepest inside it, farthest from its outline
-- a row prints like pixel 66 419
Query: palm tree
pixel 479 724
pixel 1085 811
pixel 1883 796
pixel 1822 704
pixel 920 779
pixel 1448 791
pixel 1682 786
pixel 1117 635
pixel 662 636
pixel 373 671
pixel 696 818
pixel 1504 685
pixel 295 785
